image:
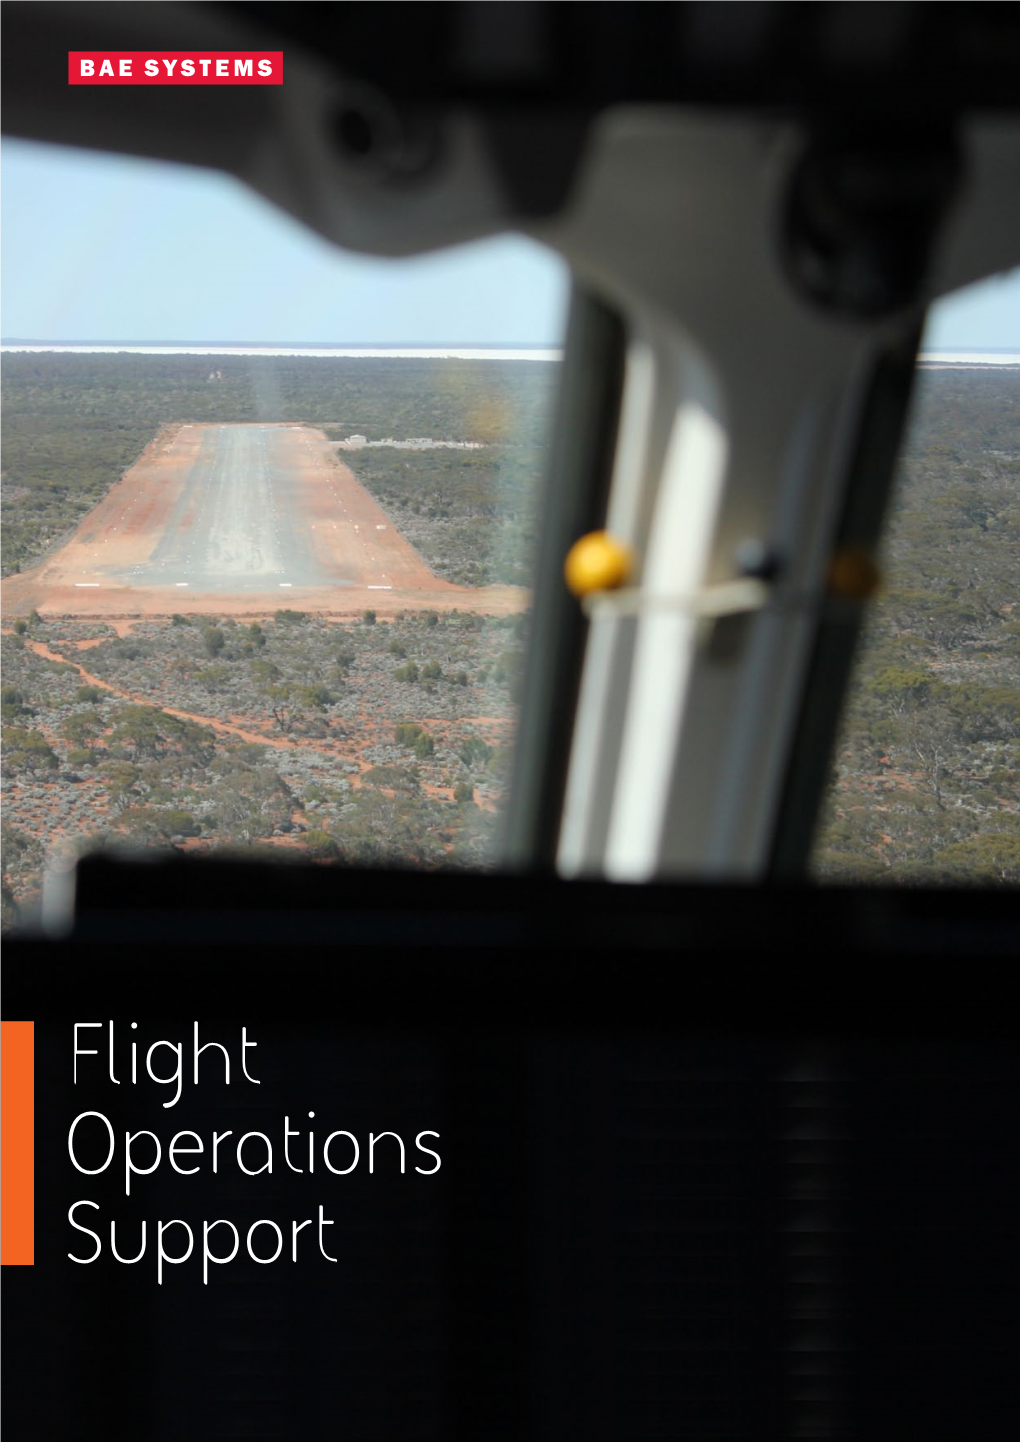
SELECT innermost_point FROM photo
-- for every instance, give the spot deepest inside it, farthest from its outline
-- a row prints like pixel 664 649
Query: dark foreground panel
pixel 713 1162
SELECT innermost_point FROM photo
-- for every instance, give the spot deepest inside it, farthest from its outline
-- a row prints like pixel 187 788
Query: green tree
pixel 474 753
pixel 82 728
pixel 250 801
pixel 150 734
pixel 992 855
pixel 121 781
pixel 13 704
pixel 316 696
pixel 26 750
pixel 213 640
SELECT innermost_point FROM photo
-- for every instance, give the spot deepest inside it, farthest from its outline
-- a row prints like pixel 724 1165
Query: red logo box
pixel 175 67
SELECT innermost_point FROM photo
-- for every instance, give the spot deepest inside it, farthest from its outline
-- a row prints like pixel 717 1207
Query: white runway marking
pixel 237 517
pixel 87 583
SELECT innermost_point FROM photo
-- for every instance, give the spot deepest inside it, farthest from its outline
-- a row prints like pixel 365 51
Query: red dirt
pixel 367 732
pixel 226 728
pixel 336 749
pixel 125 527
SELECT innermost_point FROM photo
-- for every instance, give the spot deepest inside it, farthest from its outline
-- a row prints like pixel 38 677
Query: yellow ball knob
pixel 853 575
pixel 598 562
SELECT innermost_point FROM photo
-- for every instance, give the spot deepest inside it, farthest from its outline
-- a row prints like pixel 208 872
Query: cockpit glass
pixel 925 785
pixel 269 514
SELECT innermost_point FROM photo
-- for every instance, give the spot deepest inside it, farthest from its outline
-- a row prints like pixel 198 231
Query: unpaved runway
pixel 233 526
pixel 247 516
pixel 237 517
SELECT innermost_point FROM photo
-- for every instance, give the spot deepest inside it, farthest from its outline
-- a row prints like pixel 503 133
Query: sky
pixel 110 248
pixel 985 316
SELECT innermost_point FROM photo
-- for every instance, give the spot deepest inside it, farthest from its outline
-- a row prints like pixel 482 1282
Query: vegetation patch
pixel 926 777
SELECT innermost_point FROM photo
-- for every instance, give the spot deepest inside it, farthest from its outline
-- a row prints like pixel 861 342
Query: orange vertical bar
pixel 17 1143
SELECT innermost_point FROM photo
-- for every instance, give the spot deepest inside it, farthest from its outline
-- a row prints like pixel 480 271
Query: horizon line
pixel 299 344
pixel 954 349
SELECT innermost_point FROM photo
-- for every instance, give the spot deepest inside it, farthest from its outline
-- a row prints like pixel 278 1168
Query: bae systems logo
pixel 175 67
